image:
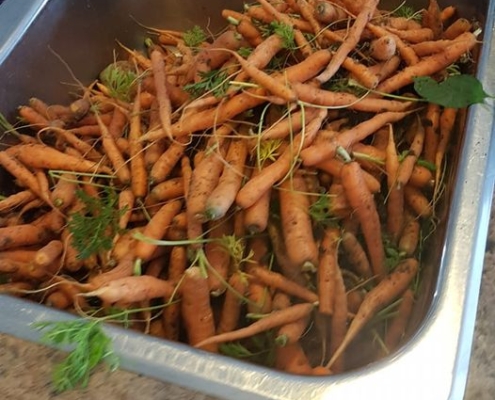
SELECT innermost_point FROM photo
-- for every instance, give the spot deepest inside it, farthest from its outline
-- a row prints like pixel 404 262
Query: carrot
pixel 395 196
pixel 196 309
pixel 24 177
pixel 164 104
pixel 327 268
pixel 205 177
pixel 326 98
pixel 292 359
pixel 232 303
pixel 22 235
pixel 432 19
pixel 385 69
pixel 125 205
pixel 296 223
pixel 383 48
pixel 247 30
pixel 64 192
pixel 429 65
pixel 139 175
pixel 447 13
pixel 292 123
pixel 218 255
pixel 446 128
pixel 431 125
pixel 171 314
pixel 384 293
pixel 167 161
pixel 413 35
pixel 280 282
pixel 356 255
pixel 156 229
pixel 45 157
pixel 457 28
pixel 113 153
pixel 270 321
pixel 258 185
pixel 48 253
pixel 350 42
pixel 397 328
pixel 273 85
pixel 422 177
pixel 360 72
pixel 132 289
pixel 117 123
pixel 15 200
pixel 313 155
pixel 223 196
pixel 259 298
pixel 35 120
pixel 363 205
pixel 170 189
pixel 409 239
pixel 292 332
pixel 327 12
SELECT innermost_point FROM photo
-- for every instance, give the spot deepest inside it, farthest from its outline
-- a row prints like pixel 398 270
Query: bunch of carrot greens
pixel 264 193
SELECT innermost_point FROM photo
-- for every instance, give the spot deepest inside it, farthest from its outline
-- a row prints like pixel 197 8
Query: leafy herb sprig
pixel 194 36
pixel 93 230
pixel 91 346
pixel 120 80
pixel 215 81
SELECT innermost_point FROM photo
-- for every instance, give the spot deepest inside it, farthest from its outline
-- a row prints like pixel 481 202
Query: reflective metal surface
pixel 434 362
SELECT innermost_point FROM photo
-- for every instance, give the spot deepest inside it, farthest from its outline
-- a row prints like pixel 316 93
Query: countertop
pixel 25 367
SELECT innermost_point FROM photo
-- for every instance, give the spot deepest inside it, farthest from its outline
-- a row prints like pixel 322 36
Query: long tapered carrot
pixel 218 254
pixel 280 282
pixel 256 216
pixel 16 200
pixel 415 149
pixel 139 175
pixel 164 104
pixel 395 194
pixel 197 313
pixel 397 328
pixel 315 154
pixel 272 320
pixel 392 286
pixel 363 205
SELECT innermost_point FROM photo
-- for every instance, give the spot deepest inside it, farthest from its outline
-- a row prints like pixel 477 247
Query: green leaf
pixel 457 91
pixel 90 346
pixel 120 80
pixel 194 37
pixel 214 81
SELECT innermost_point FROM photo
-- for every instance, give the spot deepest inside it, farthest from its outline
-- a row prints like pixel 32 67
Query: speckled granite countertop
pixel 25 367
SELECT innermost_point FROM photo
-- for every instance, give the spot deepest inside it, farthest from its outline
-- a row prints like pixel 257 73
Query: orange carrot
pixel 223 196
pixel 139 176
pixel 171 314
pixel 384 293
pixel 270 321
pixel 156 229
pixel 280 282
pixel 457 28
pixel 395 195
pixel 296 223
pixel 231 308
pixel 218 254
pixel 327 269
pixel 409 239
pixel 356 255
pixel 18 199
pixel 48 254
pixel 167 161
pixel 132 289
pixel 196 309
pixel 383 48
pixel 397 328
pixel 363 204
pixel 164 104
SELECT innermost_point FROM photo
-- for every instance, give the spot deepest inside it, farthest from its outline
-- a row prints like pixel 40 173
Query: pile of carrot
pixel 264 195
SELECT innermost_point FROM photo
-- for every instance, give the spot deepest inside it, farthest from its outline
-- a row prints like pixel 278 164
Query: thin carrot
pixel 416 148
pixel 292 332
pixel 139 175
pixel 395 195
pixel 384 293
pixel 356 255
pixel 280 282
pixel 409 240
pixel 171 314
pixel 218 255
pixel 292 359
pixel 397 328
pixel 270 321
pixel 164 104
pixel 16 200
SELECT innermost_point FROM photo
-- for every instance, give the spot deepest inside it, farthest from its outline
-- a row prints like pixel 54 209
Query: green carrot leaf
pixel 90 346
pixel 194 37
pixel 456 91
